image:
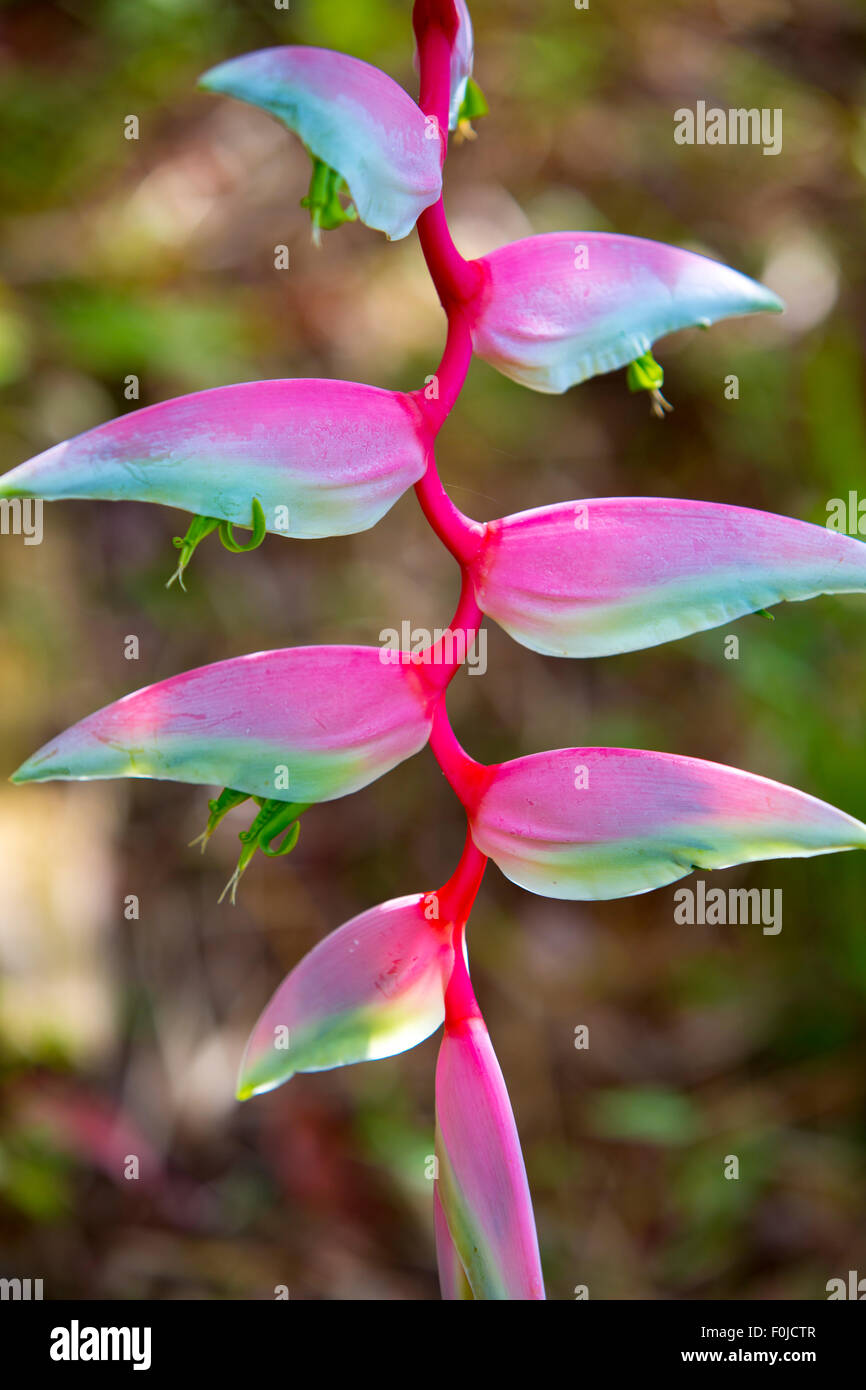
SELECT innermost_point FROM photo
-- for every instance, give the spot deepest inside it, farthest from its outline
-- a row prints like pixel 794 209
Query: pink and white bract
pixel 374 987
pixel 557 309
pixel 482 1190
pixel 613 574
pixel 353 118
pixel 306 724
pixel 609 822
pixel 323 458
pixel 302 725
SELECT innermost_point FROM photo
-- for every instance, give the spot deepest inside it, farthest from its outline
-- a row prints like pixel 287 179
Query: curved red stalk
pixel 466 621
pixel 435 23
pixel 451 372
pixel 458 894
pixel 467 777
pixel 457 282
pixel 457 532
pixel 443 659
pixel 460 1001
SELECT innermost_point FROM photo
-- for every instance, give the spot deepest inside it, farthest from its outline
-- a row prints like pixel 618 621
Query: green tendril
pixel 645 374
pixel 219 807
pixel 324 200
pixel 202 526
pixel 259 529
pixel 288 844
pixel 199 527
pixel 274 818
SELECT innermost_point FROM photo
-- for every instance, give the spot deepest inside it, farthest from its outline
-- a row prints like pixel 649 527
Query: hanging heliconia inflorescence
pixel 290 728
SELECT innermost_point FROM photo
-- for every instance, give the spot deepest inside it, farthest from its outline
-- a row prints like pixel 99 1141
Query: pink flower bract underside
pixel 482 1183
pixel 351 116
pixel 371 989
pixel 304 724
pixel 600 823
pixel 324 458
pixel 612 574
pixel 559 308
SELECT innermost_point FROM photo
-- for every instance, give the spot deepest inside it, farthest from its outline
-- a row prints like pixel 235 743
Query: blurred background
pixel 155 257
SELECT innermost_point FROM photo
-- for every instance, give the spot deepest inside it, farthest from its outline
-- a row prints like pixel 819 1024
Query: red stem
pixel 440 393
pixel 435 28
pixel 457 280
pixel 457 532
pixel 460 1001
pixel 458 637
pixel 467 777
pixel 435 24
pixel 459 893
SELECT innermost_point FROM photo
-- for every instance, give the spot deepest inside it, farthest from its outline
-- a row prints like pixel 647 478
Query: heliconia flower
pixel 353 119
pixel 454 17
pixel 610 822
pixel 302 725
pixel 322 458
pixel 613 574
pixel 481 1186
pixel 462 58
pixel 556 309
pixel 373 988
